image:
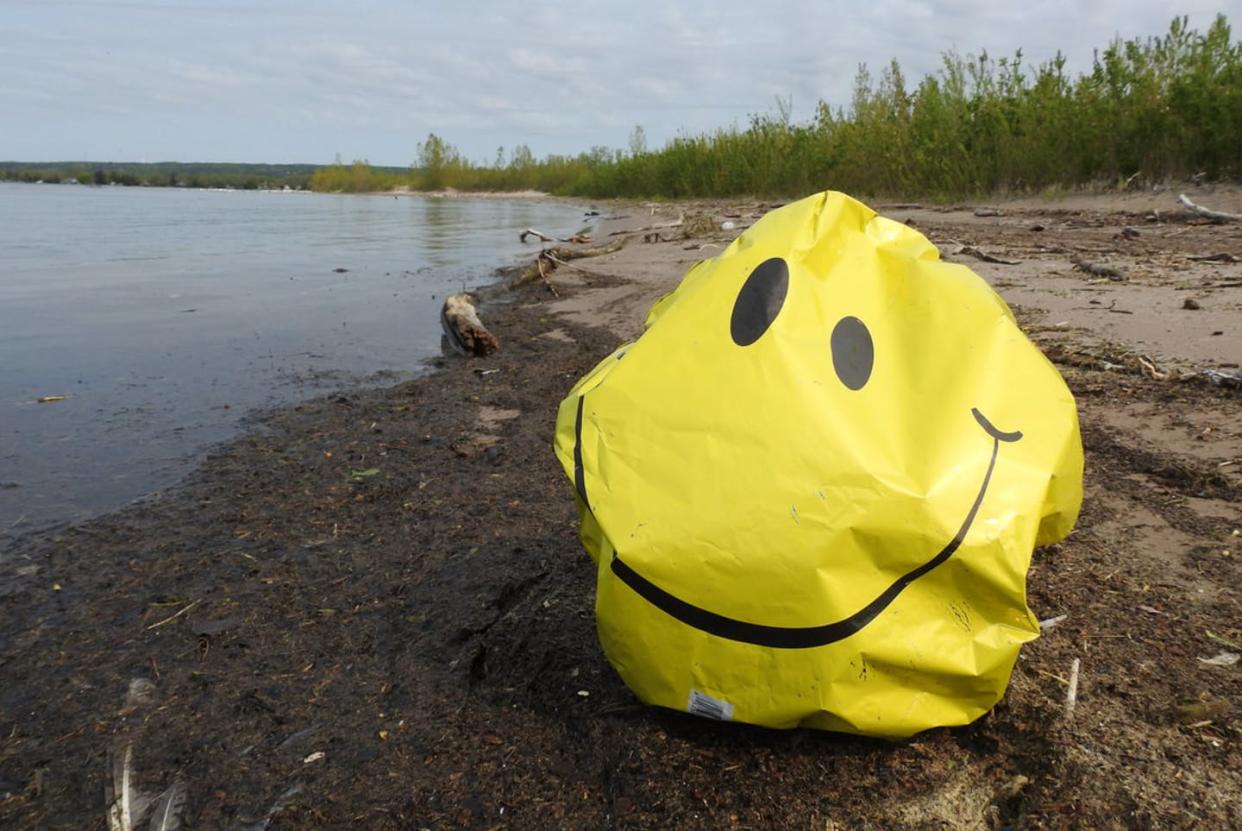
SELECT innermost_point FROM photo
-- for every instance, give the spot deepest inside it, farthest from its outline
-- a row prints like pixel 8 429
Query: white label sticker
pixel 702 704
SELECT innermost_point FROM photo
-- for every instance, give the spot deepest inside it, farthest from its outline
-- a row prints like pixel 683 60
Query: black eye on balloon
pixel 853 353
pixel 759 301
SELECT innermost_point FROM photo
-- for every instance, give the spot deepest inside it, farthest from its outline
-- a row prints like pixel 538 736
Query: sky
pixel 307 80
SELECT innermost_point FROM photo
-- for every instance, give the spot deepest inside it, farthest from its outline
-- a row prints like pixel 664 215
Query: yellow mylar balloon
pixel 813 485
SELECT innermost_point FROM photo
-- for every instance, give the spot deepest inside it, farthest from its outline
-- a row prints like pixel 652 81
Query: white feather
pixel 126 804
pixel 166 816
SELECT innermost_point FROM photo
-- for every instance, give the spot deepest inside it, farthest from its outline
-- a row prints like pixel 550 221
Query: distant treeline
pixel 1148 110
pixel 162 174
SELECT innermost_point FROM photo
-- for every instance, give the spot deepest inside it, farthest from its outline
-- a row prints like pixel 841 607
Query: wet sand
pixel 373 611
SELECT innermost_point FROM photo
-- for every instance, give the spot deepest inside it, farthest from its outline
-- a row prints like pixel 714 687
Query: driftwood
pixel 984 256
pixel 576 239
pixel 562 253
pixel 463 330
pixel 1097 269
pixel 1223 257
pixel 550 258
pixel 531 232
pixel 1071 689
pixel 1208 213
pixel 676 223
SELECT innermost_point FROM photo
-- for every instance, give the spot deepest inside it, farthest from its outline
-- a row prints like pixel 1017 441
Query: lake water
pixel 166 315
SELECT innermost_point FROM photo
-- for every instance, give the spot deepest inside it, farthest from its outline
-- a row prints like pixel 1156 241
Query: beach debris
pixel 1149 368
pixel 1222 659
pixel 699 225
pixel 282 802
pixel 50 399
pixel 1221 257
pixel 173 617
pixel 365 474
pixel 613 427
pixel 1071 691
pixel 483 373
pixel 531 232
pixel 1208 213
pixel 1224 379
pixel 141 692
pixel 123 806
pixel 1051 623
pixel 676 223
pixel 463 330
pixel 1212 636
pixel 298 737
pixel 169 806
pixel 979 254
pixel 1037 227
pixel 1128 232
pixel 314 757
pixel 212 628
pixel 984 213
pixel 1097 269
pixel 550 258
pixel 576 239
pixel 1204 709
pixel 1191 303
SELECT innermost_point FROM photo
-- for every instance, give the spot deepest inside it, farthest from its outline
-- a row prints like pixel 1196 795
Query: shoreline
pixel 428 628
pixel 72 461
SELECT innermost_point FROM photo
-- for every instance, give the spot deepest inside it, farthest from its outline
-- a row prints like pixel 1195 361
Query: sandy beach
pixel 373 610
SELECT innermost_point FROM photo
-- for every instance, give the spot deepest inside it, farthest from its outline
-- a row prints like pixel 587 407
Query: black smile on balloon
pixel 853 354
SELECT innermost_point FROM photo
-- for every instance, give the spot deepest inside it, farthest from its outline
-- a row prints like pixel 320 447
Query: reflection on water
pixel 164 315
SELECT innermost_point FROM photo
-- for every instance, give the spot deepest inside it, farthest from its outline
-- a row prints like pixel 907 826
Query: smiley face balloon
pixel 812 487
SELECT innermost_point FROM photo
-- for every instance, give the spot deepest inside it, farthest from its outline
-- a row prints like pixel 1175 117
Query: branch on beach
pixel 550 258
pixel 676 223
pixel 979 254
pixel 580 253
pixel 1096 269
pixel 1222 257
pixel 463 329
pixel 576 239
pixel 1208 213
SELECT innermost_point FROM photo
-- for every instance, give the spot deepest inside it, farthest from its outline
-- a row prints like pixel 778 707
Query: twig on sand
pixel 1149 369
pixel 173 617
pixel 1051 623
pixel 1222 257
pixel 1097 269
pixel 543 275
pixel 577 239
pixel 676 223
pixel 549 255
pixel 1071 693
pixel 1208 213
pixel 983 255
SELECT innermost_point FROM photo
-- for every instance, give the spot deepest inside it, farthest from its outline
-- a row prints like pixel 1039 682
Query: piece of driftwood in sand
pixel 1208 213
pixel 550 258
pixel 1097 269
pixel 577 239
pixel 463 329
